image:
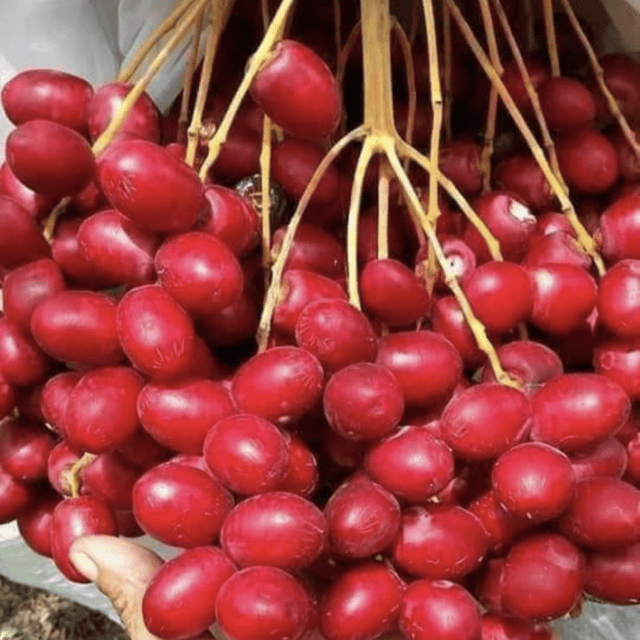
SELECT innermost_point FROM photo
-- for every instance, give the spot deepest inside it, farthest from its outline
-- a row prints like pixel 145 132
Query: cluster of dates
pixel 360 475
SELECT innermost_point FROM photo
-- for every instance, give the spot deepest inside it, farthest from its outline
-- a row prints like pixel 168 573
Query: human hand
pixel 121 570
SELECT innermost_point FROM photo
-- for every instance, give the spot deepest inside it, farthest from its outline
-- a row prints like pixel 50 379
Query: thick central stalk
pixel 376 48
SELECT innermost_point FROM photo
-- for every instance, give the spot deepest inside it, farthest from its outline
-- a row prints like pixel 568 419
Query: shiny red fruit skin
pixel 54 398
pixel 497 627
pixel 110 478
pixel 24 449
pixel 46 94
pixel 563 297
pixel 248 454
pixel 101 410
pixel 50 158
pixel 77 326
pixel 608 458
pixel 500 295
pixel 180 600
pixel 514 82
pixel 7 398
pixel 619 360
pixel 155 332
pixel 534 481
pixel 199 271
pixel 543 577
pixel 427 365
pixel 617 302
pixel 179 415
pixel 363 518
pixel 460 162
pixel 532 363
pixel 21 241
pixel 614 575
pixel 15 497
pixel 25 286
pixel 439 610
pixel 235 324
pixel 118 249
pixel 301 476
pixel 604 513
pixel 412 464
pixel 143 120
pixel 277 529
pixel 588 161
pixel 362 603
pixel 566 103
pixel 279 384
pixel 622 77
pixel 575 411
pixel 75 517
pixel 264 603
pixel 35 523
pixel 521 174
pixel 392 293
pixel 620 229
pixel 150 186
pixel 439 543
pixel 180 505
pixel 485 420
pixel 38 206
pixel 22 362
pixel 297 90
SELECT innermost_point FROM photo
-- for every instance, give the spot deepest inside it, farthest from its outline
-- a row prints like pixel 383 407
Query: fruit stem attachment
pixel 550 32
pixel 585 240
pixel 71 475
pixel 50 223
pixel 612 104
pixel 257 60
pixel 138 89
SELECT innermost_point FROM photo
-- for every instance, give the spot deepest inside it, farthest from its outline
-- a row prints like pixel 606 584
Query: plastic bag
pixel 92 38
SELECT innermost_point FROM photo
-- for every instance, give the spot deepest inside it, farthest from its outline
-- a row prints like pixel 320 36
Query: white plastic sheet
pixel 92 38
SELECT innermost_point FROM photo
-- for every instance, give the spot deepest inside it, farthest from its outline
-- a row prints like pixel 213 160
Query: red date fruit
pixel 46 94
pixel 439 543
pixel 110 478
pixel 180 600
pixel 50 158
pixel 297 90
pixel 101 410
pixel 412 464
pixel 363 518
pixel 575 411
pixel 617 302
pixel 533 481
pixel 24 287
pixel 566 103
pixel 439 610
pixel 613 575
pixel 118 250
pixel 619 360
pixel 39 206
pixel 75 517
pixel 143 120
pixel 35 523
pixel 199 271
pixel 302 475
pixel 179 415
pixel 264 603
pixel 77 326
pixel 514 82
pixel 460 162
pixel 620 229
pixel 155 332
pixel 498 627
pixel 248 454
pixel 608 458
pixel 21 241
pixel 521 175
pixel 363 603
pixel 427 365
pixel 279 384
pixel 25 447
pixel 277 529
pixel 15 497
pixel 150 186
pixel 485 420
pixel 180 505
pixel 22 362
pixel 54 399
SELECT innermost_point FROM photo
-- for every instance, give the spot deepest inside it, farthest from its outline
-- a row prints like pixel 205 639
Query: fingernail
pixel 85 565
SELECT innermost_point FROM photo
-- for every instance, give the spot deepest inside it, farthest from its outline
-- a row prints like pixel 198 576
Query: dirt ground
pixel 33 614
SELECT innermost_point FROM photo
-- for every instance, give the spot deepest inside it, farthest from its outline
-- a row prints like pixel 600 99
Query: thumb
pixel 121 570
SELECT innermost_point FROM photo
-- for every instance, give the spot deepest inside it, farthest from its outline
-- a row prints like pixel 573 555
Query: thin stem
pixel 477 328
pixel 220 10
pixel 271 297
pixel 384 177
pixel 612 104
pixel 189 72
pixel 256 61
pixel 547 140
pixel 265 187
pixel 162 29
pixel 492 243
pixel 366 153
pixel 138 89
pixel 52 219
pixel 567 208
pixel 71 476
pixel 550 31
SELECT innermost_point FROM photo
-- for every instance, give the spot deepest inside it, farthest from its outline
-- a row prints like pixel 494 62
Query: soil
pixel 34 614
